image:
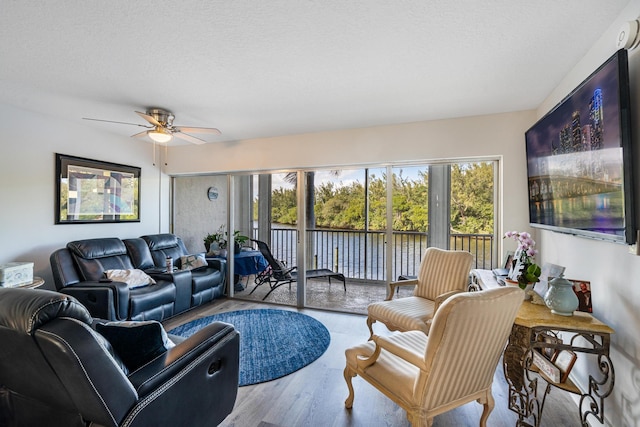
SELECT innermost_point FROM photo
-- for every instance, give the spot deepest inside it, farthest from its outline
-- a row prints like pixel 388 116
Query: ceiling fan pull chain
pixel 166 151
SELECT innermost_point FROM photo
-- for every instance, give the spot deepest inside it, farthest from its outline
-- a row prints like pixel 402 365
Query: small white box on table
pixel 14 274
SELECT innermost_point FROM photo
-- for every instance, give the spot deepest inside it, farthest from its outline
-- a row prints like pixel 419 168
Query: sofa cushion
pixel 144 302
pixel 136 343
pixel 139 253
pixel 165 245
pixel 134 278
pixel 97 248
pixel 161 241
pixel 94 256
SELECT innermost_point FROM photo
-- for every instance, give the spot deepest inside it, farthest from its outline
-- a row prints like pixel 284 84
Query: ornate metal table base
pixel 528 389
pixel 525 398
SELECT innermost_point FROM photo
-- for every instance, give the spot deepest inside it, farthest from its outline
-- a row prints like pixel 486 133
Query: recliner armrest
pixel 170 276
pixel 198 377
pixel 219 264
pixel 105 300
pixel 214 347
pixel 182 281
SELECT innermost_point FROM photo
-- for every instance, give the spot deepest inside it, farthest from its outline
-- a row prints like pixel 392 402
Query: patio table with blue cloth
pixel 247 263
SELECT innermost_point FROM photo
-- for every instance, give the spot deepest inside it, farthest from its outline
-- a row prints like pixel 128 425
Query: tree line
pixel 343 206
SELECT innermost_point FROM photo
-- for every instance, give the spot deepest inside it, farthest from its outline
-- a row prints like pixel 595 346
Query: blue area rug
pixel 273 343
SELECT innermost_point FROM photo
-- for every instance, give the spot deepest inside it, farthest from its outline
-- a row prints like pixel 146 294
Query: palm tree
pixel 292 178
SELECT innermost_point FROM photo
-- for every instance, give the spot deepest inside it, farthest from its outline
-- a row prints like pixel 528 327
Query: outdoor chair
pixel 278 274
pixel 453 365
pixel 442 274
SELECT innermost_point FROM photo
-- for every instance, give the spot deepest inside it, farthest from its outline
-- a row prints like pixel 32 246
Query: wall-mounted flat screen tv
pixel 579 159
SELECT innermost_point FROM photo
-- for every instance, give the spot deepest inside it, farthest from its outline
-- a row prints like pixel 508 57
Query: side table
pixel 588 336
pixel 35 283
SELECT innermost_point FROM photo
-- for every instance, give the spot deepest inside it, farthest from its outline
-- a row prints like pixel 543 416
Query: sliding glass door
pixel 354 224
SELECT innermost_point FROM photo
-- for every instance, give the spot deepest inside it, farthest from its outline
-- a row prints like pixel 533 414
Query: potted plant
pixel 218 240
pixel 238 240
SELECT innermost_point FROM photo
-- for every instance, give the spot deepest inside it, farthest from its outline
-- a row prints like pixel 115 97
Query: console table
pixel 588 336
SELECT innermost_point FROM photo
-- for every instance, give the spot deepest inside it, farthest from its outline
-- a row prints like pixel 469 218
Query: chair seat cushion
pixel 150 297
pixel 404 314
pixel 204 279
pixel 397 375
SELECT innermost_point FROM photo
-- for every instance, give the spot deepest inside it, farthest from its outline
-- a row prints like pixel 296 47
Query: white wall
pixel 28 144
pixel 613 272
pixel 495 136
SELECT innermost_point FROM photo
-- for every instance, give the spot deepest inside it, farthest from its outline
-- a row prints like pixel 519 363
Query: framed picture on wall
pixel 92 191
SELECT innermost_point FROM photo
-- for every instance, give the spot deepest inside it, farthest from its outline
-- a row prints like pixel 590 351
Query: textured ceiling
pixel 269 68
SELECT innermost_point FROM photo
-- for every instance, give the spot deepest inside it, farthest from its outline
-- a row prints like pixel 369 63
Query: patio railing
pixel 361 254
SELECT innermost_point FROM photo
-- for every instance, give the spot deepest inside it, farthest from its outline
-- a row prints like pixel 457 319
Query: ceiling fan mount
pixel 165 117
pixel 161 129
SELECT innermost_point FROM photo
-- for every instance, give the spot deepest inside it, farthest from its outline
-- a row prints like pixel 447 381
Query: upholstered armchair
pixel 452 366
pixel 442 274
pixel 56 370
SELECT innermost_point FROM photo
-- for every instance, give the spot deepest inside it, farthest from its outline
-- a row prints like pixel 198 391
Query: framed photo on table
pixel 548 352
pixel 582 288
pixel 564 361
pixel 93 191
pixel 516 265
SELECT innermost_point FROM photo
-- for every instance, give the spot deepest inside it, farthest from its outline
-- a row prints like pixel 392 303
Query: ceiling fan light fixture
pixel 160 135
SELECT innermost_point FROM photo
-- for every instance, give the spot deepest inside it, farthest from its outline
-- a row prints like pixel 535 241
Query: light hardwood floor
pixel 314 396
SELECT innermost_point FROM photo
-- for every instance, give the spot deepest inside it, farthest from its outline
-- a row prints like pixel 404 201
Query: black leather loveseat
pixel 58 368
pixel 80 269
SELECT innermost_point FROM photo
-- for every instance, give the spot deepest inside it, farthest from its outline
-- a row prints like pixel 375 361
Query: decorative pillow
pixel 136 343
pixel 133 278
pixel 190 262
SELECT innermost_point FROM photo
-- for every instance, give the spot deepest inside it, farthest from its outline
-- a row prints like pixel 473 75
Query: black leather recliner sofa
pixel 79 270
pixel 57 371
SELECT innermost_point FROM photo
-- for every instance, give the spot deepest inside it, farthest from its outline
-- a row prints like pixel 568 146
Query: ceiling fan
pixel 161 128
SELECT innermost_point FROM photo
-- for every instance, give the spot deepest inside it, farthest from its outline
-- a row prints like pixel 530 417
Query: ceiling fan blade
pixel 140 135
pixel 191 139
pixel 149 118
pixel 211 131
pixel 112 121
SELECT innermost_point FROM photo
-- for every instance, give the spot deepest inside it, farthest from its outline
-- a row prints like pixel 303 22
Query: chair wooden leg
pixel 370 323
pixel 488 403
pixel 419 419
pixel 348 375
